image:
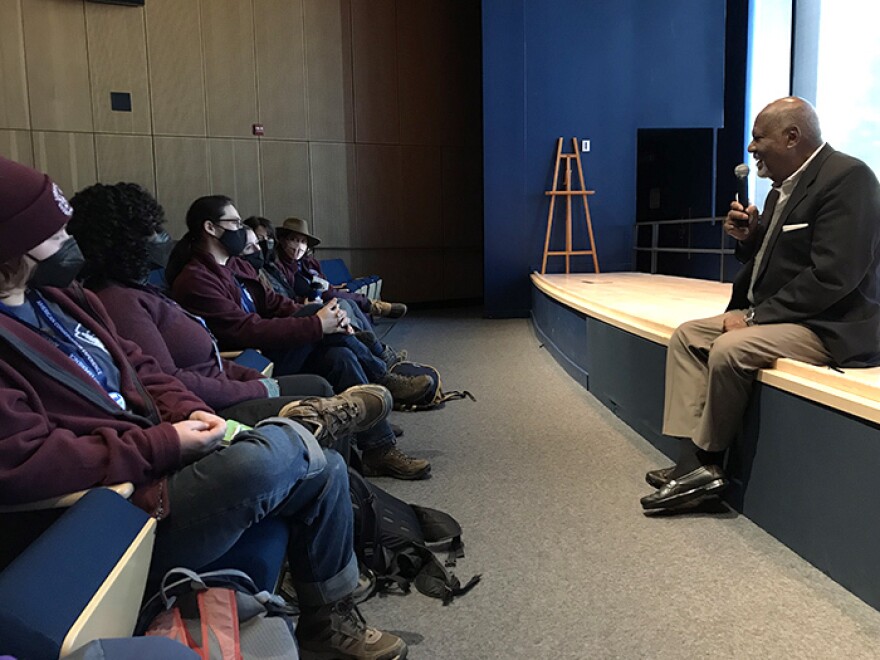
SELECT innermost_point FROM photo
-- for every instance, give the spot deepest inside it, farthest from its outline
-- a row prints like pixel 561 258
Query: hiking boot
pixel 391 462
pixel 387 309
pixel 392 357
pixel 339 631
pixel 407 389
pixel 356 409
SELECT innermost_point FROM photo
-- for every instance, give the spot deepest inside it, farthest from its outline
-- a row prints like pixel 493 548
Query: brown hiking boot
pixel 387 309
pixel 407 389
pixel 356 409
pixel 391 462
pixel 338 631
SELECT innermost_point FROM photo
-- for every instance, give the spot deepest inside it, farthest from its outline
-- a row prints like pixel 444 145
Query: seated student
pixel 242 313
pixel 362 326
pixel 270 274
pixel 81 407
pixel 120 231
pixel 293 256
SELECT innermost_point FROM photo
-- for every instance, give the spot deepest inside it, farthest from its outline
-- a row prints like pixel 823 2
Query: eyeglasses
pixel 235 222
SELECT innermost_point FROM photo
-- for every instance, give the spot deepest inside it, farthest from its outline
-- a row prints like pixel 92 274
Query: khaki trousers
pixel 710 373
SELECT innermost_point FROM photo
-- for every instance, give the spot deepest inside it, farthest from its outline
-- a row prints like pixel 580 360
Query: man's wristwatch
pixel 749 317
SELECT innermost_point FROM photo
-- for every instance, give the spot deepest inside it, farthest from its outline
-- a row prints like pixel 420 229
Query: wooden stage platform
pixel 804 465
pixel 652 306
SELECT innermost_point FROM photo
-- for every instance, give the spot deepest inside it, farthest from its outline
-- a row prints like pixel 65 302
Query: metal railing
pixel 655 249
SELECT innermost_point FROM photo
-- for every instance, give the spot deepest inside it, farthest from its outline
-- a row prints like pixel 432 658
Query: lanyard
pixel 80 356
pixel 247 302
pixel 210 334
pixel 195 317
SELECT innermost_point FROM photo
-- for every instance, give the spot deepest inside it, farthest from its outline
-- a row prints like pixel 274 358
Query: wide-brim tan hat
pixel 300 227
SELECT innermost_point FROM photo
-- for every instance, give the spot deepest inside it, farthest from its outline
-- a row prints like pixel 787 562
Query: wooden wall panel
pixel 181 177
pixel 408 274
pixel 334 193
pixel 374 54
pixel 420 200
pixel 462 273
pixel 17 146
pixel 422 94
pixel 328 69
pixel 69 158
pixel 57 65
pixel 462 190
pixel 126 158
pixel 235 172
pixel 177 81
pixel 461 51
pixel 14 111
pixel 230 67
pixel 281 72
pixel 286 180
pixel 379 193
pixel 118 63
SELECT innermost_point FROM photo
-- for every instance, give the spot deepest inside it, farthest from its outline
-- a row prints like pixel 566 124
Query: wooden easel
pixel 568 193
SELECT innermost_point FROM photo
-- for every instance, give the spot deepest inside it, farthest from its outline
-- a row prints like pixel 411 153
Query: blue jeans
pixel 279 470
pixel 345 362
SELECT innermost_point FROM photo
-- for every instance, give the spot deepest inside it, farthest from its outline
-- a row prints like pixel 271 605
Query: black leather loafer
pixel 659 478
pixel 705 480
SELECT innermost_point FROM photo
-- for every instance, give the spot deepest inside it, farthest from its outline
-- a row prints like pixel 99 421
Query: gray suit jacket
pixel 821 264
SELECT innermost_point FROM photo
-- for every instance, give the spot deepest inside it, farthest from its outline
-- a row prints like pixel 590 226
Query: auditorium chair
pixel 337 274
pixel 84 577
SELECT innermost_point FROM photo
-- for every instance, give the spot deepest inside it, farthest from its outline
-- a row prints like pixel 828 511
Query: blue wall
pixel 588 69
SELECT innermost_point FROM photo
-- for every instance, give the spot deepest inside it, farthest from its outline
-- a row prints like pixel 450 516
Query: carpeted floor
pixel 545 482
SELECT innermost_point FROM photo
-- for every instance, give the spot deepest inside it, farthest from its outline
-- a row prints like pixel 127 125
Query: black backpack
pixel 391 539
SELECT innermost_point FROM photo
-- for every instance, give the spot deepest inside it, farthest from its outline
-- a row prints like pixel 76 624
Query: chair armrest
pixel 82 579
pixel 64 501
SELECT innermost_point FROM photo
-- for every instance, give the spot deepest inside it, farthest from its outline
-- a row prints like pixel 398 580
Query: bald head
pixel 794 112
pixel 785 135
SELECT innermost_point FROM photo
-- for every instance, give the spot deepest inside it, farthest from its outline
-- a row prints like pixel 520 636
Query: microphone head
pixel 741 171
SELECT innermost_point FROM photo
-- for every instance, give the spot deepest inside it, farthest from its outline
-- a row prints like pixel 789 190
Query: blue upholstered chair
pixel 83 578
pixel 337 274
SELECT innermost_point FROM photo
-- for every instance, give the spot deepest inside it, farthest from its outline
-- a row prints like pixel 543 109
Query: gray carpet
pixel 546 483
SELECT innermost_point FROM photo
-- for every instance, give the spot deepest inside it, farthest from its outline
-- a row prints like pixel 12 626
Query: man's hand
pixel 333 318
pixel 199 435
pixel 735 321
pixel 741 222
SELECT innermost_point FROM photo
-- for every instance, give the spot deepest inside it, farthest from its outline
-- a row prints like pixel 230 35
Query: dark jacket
pixel 300 282
pixel 211 291
pixel 824 274
pixel 60 431
pixel 181 346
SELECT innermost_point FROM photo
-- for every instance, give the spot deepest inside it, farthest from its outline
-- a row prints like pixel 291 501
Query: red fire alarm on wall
pixel 258 129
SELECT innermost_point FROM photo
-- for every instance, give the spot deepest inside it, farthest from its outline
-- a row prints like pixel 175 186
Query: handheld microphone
pixel 742 184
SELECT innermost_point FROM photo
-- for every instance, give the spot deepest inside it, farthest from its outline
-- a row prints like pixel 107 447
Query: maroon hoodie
pixel 181 346
pixel 211 291
pixel 60 431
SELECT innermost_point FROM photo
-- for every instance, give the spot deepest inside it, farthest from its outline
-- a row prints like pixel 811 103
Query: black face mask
pixel 234 240
pixel 255 259
pixel 159 248
pixel 61 268
pixel 267 247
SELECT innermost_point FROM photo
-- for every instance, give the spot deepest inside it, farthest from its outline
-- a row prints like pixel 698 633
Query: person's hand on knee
pixel 199 435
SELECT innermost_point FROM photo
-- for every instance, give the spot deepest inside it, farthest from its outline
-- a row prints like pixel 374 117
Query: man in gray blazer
pixel 809 291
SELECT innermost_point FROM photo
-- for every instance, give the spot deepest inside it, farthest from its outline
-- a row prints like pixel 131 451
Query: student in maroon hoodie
pixel 243 313
pixel 120 230
pixel 81 407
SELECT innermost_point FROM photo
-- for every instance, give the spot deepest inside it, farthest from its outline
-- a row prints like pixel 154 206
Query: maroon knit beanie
pixel 32 208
